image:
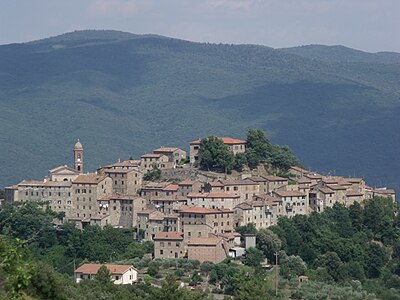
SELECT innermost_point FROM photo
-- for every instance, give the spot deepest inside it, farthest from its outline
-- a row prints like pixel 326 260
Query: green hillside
pixel 125 94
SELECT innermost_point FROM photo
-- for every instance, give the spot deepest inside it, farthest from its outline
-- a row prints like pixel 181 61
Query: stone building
pixel 214 200
pixel 174 154
pixel 86 190
pixel 169 245
pixel 199 221
pixel 291 203
pixel 121 210
pixel 261 213
pixel 212 249
pixel 153 161
pixel 125 181
pixel 186 187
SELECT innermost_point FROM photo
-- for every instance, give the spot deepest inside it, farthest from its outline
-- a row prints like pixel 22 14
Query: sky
pixel 369 25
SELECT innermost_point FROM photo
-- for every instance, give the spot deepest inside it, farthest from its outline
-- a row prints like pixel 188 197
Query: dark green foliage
pixel 291 266
pixel 103 277
pixel 215 155
pixel 253 257
pixel 153 175
pixel 268 242
pixel 113 81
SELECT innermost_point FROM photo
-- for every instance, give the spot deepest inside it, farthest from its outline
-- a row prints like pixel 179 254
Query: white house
pixel 120 274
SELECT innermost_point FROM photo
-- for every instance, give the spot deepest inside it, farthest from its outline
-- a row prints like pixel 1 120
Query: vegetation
pixel 153 175
pixel 103 86
pixel 215 155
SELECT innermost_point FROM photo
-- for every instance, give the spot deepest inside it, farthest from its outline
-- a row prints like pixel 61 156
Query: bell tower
pixel 78 156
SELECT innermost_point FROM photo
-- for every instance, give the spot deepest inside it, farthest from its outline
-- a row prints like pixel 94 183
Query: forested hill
pixel 126 94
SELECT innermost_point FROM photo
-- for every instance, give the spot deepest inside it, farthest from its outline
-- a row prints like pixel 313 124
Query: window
pixel 161 252
pixel 117 277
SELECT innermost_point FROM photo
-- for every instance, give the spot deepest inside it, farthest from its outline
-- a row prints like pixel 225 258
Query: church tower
pixel 78 156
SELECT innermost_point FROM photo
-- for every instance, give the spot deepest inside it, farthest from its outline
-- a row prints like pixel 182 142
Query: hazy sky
pixel 370 25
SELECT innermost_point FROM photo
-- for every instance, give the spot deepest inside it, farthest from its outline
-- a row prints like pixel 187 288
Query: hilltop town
pixel 186 212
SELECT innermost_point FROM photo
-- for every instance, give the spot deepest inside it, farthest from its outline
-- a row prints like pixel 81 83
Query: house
pixel 291 203
pixel 125 181
pixel 87 189
pixel 169 245
pixel 174 154
pixel 187 186
pixel 297 171
pixel 122 210
pixel 274 183
pixel 120 274
pixel 246 189
pixel 200 221
pixel 168 204
pixel 153 222
pixel 211 249
pixel 156 189
pixel 153 161
pixel 261 213
pixel 220 200
pixel 235 146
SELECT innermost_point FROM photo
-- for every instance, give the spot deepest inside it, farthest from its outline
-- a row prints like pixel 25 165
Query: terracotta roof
pixel 353 193
pixel 216 184
pixel 275 178
pixel 186 182
pixel 354 180
pixel 335 187
pixel 212 195
pixel 166 149
pixel 237 182
pixel 257 179
pixel 156 185
pixel 151 155
pixel 171 187
pixel 303 180
pixel 385 191
pixel 90 178
pixel 289 193
pixel 168 236
pixel 125 163
pixel 226 140
pixel 296 168
pixel 326 191
pixel 45 183
pixel 244 206
pixel 94 268
pixel 204 241
pixel 203 210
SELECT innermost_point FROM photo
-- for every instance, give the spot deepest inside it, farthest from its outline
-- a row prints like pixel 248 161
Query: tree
pixel 103 277
pixel 253 257
pixel 268 242
pixel 215 155
pixel 240 161
pixel 332 263
pixel 291 266
pixel 258 146
pixel 376 259
pixel 195 279
pixel 153 270
pixel 153 175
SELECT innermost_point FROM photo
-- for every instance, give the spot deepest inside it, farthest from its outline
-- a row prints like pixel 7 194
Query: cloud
pixel 116 8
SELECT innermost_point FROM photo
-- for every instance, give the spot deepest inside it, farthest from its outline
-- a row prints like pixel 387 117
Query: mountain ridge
pixel 131 95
